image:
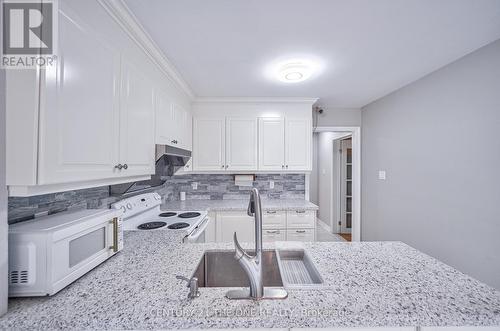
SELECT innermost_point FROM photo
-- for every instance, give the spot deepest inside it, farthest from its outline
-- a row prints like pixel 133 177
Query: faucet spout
pixel 252 265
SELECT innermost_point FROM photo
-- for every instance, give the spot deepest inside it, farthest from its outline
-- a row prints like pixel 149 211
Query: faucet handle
pixel 183 278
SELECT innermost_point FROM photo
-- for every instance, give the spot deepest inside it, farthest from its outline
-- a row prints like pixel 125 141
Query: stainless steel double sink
pixel 288 268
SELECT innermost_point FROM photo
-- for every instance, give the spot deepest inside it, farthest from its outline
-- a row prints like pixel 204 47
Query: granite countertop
pixel 365 284
pixel 228 205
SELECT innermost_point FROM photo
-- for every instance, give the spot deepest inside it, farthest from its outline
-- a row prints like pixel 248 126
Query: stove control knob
pixel 123 209
pixel 129 205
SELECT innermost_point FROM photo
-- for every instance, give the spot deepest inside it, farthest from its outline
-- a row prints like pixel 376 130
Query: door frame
pixel 356 174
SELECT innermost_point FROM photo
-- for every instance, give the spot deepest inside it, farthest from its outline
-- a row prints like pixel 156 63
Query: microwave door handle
pixel 114 247
pixel 193 236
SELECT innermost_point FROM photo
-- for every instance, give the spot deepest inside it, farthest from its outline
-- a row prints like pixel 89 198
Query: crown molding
pixel 130 24
pixel 255 100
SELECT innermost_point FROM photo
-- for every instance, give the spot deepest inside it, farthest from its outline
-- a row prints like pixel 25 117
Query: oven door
pixel 198 234
pixel 82 250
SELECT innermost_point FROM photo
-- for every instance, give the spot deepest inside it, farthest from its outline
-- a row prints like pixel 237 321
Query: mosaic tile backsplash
pixel 210 187
pixel 221 187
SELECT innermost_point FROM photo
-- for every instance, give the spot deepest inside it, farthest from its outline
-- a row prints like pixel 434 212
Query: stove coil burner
pixel 177 226
pixel 151 225
pixel 167 214
pixel 189 215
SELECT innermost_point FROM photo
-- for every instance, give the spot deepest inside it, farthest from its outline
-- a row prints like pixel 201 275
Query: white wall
pixel 3 201
pixel 339 117
pixel 326 173
pixel 313 177
pixel 439 141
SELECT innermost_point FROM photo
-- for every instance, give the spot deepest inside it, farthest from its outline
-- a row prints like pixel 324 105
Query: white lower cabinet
pixel 234 221
pixel 275 226
pixel 300 234
pixel 301 218
pixel 210 230
pixel 273 235
pixel 273 219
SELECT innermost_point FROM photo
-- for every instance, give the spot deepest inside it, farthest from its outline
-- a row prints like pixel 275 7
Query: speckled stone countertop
pixel 365 284
pixel 228 205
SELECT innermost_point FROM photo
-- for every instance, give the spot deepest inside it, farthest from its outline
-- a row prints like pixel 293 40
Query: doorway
pixel 335 181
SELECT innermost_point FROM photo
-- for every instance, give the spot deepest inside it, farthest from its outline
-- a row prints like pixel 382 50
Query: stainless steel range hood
pixel 168 160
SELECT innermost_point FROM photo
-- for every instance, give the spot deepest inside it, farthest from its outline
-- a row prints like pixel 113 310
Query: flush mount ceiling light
pixel 294 70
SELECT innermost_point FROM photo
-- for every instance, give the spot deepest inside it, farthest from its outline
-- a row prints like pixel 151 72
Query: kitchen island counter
pixel 365 284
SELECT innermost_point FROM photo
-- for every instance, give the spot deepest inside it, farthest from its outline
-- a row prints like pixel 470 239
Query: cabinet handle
pixel 282 166
pixel 227 166
pixel 119 166
pixel 125 166
pixel 222 167
pixel 300 211
pixel 287 166
pixel 273 232
pixel 187 165
pixel 300 231
pixel 271 212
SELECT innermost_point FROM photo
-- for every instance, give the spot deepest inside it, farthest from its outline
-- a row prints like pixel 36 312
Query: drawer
pixel 273 235
pixel 301 218
pixel 273 219
pixel 300 235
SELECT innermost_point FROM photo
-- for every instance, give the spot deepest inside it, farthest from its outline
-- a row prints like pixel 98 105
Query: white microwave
pixel 48 253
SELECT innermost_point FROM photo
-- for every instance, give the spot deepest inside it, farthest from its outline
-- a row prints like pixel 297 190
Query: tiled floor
pixel 323 235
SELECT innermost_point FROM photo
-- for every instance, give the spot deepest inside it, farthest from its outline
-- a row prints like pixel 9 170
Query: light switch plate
pixel 271 184
pixel 381 174
pixel 194 185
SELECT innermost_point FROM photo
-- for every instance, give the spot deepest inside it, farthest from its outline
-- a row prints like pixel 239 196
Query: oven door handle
pixel 114 247
pixel 199 230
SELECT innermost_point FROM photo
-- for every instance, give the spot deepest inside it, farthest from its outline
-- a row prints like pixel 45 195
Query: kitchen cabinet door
pixel 210 230
pixel 241 143
pixel 273 235
pixel 137 140
pixel 184 122
pixel 300 235
pixel 209 144
pixel 79 107
pixel 230 222
pixel 298 144
pixel 165 128
pixel 271 144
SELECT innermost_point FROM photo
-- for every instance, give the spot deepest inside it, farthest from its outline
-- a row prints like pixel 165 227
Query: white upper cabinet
pixel 79 109
pixel 173 123
pixel 184 121
pixel 272 144
pixel 209 144
pixel 241 143
pixel 285 144
pixel 164 119
pixel 90 119
pixel 298 142
pixel 137 147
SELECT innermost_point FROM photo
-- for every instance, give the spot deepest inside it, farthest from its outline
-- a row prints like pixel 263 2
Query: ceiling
pixel 366 48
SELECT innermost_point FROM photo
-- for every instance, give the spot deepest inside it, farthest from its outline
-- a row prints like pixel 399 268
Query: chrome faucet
pixel 252 265
pixel 192 284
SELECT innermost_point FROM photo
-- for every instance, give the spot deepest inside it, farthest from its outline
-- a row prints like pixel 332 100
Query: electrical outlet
pixel 381 174
pixel 194 185
pixel 271 184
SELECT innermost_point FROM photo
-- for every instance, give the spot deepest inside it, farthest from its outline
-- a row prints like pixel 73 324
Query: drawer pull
pixel 300 211
pixel 271 211
pixel 300 231
pixel 273 232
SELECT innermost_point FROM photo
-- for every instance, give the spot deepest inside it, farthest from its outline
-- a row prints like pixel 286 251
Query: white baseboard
pixel 324 225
